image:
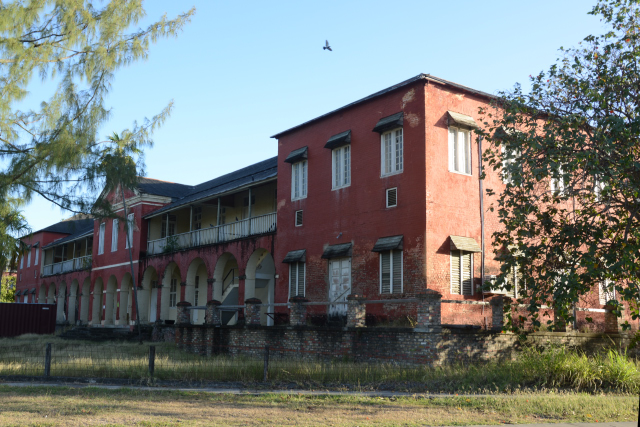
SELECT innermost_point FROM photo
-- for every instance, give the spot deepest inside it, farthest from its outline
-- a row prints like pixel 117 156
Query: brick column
pixel 298 314
pixel 560 324
pixel 253 311
pixel 183 323
pixel 211 314
pixel 497 313
pixel 356 311
pixel 429 312
pixel 183 317
pixel 611 320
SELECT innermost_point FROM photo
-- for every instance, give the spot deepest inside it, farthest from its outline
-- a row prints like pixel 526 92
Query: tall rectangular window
pixel 392 152
pixel 35 262
pixel 21 262
pixel 299 180
pixel 130 225
pixel 29 258
pixel 461 272
pixel 341 167
pixel 196 291
pixel 173 293
pixel 296 279
pixel 114 236
pixel 171 229
pixel 101 239
pixel 459 150
pixel 391 272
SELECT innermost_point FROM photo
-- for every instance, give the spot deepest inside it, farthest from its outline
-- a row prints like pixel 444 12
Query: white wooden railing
pixel 210 236
pixel 80 263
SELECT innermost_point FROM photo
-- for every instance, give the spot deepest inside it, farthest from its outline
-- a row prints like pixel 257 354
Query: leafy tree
pixel 54 151
pixel 8 288
pixel 570 153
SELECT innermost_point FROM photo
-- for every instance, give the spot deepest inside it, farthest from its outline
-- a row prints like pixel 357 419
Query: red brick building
pixel 380 198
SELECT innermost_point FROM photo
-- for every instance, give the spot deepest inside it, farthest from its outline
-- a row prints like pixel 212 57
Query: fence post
pixel 429 312
pixel 497 313
pixel 266 362
pixel 47 360
pixel 253 311
pixel 152 359
pixel 298 316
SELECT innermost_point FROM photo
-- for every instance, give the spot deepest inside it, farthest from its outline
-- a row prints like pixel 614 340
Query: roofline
pixel 419 77
pixel 56 243
pixel 211 196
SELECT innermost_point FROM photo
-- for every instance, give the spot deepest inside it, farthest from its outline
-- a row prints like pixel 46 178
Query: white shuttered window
pixel 459 151
pixel 173 293
pixel 461 272
pixel 296 279
pixel 607 291
pixel 114 236
pixel 341 167
pixel 392 152
pixel 391 272
pixel 130 224
pixel 299 180
pixel 101 239
pixel 29 258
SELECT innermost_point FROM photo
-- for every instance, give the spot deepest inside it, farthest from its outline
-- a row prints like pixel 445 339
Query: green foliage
pixel 171 245
pixel 54 151
pixel 570 150
pixel 8 289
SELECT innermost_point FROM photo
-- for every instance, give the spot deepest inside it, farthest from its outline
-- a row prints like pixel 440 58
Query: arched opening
pixel 148 296
pixel 225 286
pixel 73 302
pixel 51 294
pixel 98 302
pixel 84 301
pixel 42 294
pixel 110 306
pixel 125 312
pixel 170 295
pixel 260 283
pixel 196 289
pixel 61 309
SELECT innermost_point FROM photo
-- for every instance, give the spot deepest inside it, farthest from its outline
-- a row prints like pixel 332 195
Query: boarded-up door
pixel 339 285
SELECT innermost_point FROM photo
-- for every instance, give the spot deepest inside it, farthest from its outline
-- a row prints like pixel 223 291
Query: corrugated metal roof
pixel 68 227
pixel 87 231
pixel 258 172
pixel 390 122
pixel 295 256
pixel 388 244
pixel 464 244
pixel 297 155
pixel 33 290
pixel 463 120
pixel 163 188
pixel 337 251
pixel 427 77
pixel 343 138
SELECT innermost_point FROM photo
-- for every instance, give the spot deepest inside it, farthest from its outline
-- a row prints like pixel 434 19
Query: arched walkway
pixel 73 302
pixel 98 302
pixel 148 296
pixel 125 312
pixel 51 294
pixel 170 292
pixel 196 289
pixel 84 301
pixel 260 282
pixel 225 285
pixel 42 294
pixel 110 306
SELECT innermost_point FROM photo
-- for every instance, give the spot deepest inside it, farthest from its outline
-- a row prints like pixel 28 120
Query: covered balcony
pixel 212 220
pixel 72 253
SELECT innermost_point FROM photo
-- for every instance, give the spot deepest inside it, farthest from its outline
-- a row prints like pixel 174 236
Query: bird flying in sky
pixel 326 46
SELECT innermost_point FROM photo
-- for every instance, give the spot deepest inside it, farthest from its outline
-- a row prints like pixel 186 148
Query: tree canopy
pixel 55 151
pixel 569 150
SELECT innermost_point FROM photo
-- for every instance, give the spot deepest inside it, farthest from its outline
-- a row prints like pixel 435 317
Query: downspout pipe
pixel 480 185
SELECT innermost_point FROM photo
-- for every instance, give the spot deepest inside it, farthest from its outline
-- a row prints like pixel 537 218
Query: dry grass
pixel 54 406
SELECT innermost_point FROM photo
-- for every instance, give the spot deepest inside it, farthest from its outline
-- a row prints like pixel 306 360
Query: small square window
pixel 392 197
pixel 298 218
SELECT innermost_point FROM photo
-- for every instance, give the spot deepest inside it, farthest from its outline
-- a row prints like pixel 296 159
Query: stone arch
pixel 170 295
pixel 51 293
pixel 196 288
pixel 98 302
pixel 84 301
pixel 260 282
pixel 125 312
pixel 72 311
pixel 226 285
pixel 148 296
pixel 110 305
pixel 42 294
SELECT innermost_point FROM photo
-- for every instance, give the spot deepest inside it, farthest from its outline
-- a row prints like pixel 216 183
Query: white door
pixel 153 305
pixel 339 285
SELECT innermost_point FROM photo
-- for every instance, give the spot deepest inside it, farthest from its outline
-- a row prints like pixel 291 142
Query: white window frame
pixel 101 238
pixel 508 159
pixel 296 219
pixel 35 261
pixel 196 290
pixel 341 167
pixel 129 230
pixel 21 262
pixel 114 235
pixel 173 293
pixel 602 293
pixel 392 152
pixel 458 163
pixel 391 291
pixel 386 194
pixel 29 258
pixel 556 185
pixel 299 180
pixel 304 278
pixel 460 273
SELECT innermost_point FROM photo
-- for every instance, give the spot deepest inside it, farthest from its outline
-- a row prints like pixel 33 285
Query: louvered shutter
pixel 397 271
pixel 300 278
pixel 385 272
pixel 467 288
pixel 293 276
pixel 392 197
pixel 455 272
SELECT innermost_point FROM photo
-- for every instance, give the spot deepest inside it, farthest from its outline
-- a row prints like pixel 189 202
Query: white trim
pixel 303 180
pixel 386 194
pixel 113 265
pixel 451 154
pixel 334 154
pixel 394 171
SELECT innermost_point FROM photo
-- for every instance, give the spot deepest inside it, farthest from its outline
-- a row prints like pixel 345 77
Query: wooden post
pixel 266 362
pixel 152 359
pixel 47 360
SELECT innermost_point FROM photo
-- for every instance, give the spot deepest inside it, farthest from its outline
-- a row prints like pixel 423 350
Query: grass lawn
pixel 60 406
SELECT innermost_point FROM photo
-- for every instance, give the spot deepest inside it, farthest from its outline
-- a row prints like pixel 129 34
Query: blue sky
pixel 243 71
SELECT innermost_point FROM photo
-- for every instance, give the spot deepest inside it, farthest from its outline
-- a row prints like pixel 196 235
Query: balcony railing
pixel 80 263
pixel 210 236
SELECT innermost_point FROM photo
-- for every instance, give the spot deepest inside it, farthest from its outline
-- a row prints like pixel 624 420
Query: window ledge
pixel 298 198
pixel 461 173
pixel 391 174
pixel 340 188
